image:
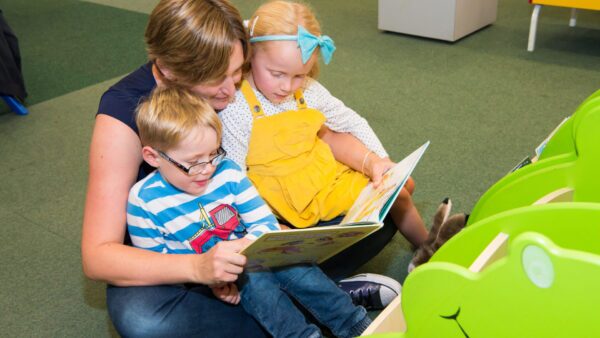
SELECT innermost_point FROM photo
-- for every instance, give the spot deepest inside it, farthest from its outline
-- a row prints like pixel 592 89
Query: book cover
pixel 317 244
pixel 373 204
pixel 524 162
pixel 540 148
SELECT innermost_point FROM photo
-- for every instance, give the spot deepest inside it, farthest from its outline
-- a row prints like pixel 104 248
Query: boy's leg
pixel 176 311
pixel 263 298
pixel 320 296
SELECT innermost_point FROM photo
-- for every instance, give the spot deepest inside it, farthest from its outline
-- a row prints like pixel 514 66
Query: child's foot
pixel 370 290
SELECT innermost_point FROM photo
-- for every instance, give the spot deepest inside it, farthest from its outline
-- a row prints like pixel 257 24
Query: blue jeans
pixel 266 296
pixel 177 310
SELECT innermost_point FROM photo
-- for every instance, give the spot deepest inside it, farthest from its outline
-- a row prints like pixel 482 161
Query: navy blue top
pixel 121 100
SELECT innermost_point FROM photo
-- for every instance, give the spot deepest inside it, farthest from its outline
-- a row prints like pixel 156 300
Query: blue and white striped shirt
pixel 164 219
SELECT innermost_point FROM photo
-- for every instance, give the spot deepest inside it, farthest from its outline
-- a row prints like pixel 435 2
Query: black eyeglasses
pixel 198 167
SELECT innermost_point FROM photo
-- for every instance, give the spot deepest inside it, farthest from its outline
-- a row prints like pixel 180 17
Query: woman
pixel 200 45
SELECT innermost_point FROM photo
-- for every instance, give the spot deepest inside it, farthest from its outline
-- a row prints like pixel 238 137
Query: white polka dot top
pixel 237 120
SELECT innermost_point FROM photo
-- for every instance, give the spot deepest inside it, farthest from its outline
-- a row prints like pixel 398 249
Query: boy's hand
pixel 221 264
pixel 227 293
pixel 243 242
pixel 377 166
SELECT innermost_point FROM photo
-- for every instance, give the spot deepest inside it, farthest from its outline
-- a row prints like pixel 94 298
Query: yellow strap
pixel 300 101
pixel 253 103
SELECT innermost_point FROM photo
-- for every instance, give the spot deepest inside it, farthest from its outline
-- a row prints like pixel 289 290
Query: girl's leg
pixel 176 311
pixel 407 217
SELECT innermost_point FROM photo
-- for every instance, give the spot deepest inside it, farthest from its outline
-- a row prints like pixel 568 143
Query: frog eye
pixel 538 266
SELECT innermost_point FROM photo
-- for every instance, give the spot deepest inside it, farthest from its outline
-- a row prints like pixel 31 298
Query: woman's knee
pixel 176 311
pixel 134 314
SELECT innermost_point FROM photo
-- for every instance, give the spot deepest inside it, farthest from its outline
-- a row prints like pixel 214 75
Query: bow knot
pixel 308 42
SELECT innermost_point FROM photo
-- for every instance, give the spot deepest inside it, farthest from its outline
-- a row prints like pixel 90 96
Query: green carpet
pixel 67 45
pixel 483 101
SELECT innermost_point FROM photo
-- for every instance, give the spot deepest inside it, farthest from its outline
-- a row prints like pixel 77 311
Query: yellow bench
pixel 573 4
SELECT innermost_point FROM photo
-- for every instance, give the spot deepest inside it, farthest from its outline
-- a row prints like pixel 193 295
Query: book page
pixel 311 245
pixel 373 204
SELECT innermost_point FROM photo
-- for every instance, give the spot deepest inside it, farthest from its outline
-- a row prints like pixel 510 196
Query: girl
pixel 280 126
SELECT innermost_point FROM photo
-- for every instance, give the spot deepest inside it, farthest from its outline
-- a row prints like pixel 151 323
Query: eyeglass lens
pixel 198 168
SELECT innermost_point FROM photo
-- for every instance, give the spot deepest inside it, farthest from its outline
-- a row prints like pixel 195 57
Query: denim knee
pixel 134 316
pixel 176 311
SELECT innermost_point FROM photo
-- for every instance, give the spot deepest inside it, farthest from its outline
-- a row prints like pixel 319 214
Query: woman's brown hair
pixel 194 39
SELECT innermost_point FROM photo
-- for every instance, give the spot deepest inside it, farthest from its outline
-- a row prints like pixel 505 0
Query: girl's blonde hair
pixel 169 114
pixel 194 39
pixel 283 18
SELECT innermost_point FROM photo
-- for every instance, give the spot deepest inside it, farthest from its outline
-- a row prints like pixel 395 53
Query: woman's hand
pixel 221 264
pixel 227 293
pixel 376 166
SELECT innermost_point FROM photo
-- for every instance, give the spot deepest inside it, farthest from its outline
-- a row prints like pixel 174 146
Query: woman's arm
pixel 115 156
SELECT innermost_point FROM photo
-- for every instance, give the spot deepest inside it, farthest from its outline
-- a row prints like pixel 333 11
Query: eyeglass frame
pixel 221 153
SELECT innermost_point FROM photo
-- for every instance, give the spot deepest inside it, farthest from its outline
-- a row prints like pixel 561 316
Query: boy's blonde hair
pixel 283 18
pixel 194 39
pixel 169 114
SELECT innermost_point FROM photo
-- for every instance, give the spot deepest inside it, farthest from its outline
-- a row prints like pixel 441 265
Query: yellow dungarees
pixel 293 169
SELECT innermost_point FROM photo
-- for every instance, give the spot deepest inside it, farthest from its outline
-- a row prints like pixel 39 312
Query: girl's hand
pixel 376 167
pixel 227 293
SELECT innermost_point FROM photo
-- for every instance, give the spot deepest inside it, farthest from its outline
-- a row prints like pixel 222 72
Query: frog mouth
pixel 455 318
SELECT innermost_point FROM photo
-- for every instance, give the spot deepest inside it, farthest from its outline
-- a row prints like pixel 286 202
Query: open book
pixel 539 149
pixel 317 244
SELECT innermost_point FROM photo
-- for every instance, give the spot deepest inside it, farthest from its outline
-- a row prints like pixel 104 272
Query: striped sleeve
pixel 253 210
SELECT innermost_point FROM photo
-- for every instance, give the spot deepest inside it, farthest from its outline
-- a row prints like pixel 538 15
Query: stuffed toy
pixel 443 228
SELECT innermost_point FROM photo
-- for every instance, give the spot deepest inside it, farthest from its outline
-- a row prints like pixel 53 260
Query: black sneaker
pixel 370 290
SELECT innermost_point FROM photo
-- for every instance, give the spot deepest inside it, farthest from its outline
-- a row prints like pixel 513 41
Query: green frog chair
pixel 528 272
pixel 567 169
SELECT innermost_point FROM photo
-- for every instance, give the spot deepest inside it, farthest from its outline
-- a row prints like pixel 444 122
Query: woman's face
pixel 222 91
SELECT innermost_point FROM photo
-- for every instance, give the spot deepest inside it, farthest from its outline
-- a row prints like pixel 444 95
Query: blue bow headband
pixel 306 41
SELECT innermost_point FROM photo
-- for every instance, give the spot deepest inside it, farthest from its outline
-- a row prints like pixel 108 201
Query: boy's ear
pixel 150 156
